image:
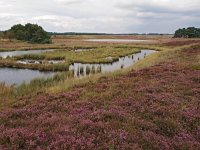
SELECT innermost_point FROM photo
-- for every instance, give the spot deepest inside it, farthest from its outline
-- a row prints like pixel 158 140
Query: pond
pixel 19 53
pixel 117 40
pixel 81 69
pixel 12 76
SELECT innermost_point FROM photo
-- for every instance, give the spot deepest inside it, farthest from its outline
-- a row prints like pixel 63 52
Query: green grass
pixel 96 55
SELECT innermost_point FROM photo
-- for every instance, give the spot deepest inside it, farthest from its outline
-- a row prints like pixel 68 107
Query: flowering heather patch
pixel 153 108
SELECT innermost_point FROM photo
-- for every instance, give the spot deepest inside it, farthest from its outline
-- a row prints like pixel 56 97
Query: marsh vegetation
pixel 153 104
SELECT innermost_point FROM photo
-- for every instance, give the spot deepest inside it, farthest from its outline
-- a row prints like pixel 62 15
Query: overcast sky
pixel 111 16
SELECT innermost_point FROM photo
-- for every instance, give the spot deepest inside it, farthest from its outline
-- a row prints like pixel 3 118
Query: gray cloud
pixel 116 16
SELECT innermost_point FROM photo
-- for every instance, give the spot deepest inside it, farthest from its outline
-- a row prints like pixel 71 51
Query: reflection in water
pixel 19 53
pixel 18 76
pixel 81 70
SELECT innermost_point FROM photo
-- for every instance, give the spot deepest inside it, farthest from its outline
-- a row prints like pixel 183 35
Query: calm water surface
pixel 12 76
pixel 19 53
pixel 81 70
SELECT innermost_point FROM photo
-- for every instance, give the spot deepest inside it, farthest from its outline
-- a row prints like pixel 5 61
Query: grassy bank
pixel 65 81
pixel 95 55
pixel 60 82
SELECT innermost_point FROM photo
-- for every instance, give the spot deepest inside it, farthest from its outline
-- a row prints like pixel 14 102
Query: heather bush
pixel 152 108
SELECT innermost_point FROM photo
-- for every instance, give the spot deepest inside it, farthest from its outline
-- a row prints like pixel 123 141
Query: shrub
pixel 190 32
pixel 30 32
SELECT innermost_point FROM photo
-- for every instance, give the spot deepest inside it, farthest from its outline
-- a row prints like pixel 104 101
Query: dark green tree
pixel 30 32
pixel 190 32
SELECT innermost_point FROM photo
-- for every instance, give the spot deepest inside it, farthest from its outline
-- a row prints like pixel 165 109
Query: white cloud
pixel 102 15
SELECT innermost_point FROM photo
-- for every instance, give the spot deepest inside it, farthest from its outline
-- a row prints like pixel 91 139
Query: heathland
pixel 154 104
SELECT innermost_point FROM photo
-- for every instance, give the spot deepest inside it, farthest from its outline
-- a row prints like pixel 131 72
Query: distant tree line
pixel 29 32
pixel 190 32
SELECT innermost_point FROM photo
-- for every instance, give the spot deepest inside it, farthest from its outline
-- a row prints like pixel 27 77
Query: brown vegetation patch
pixel 180 42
